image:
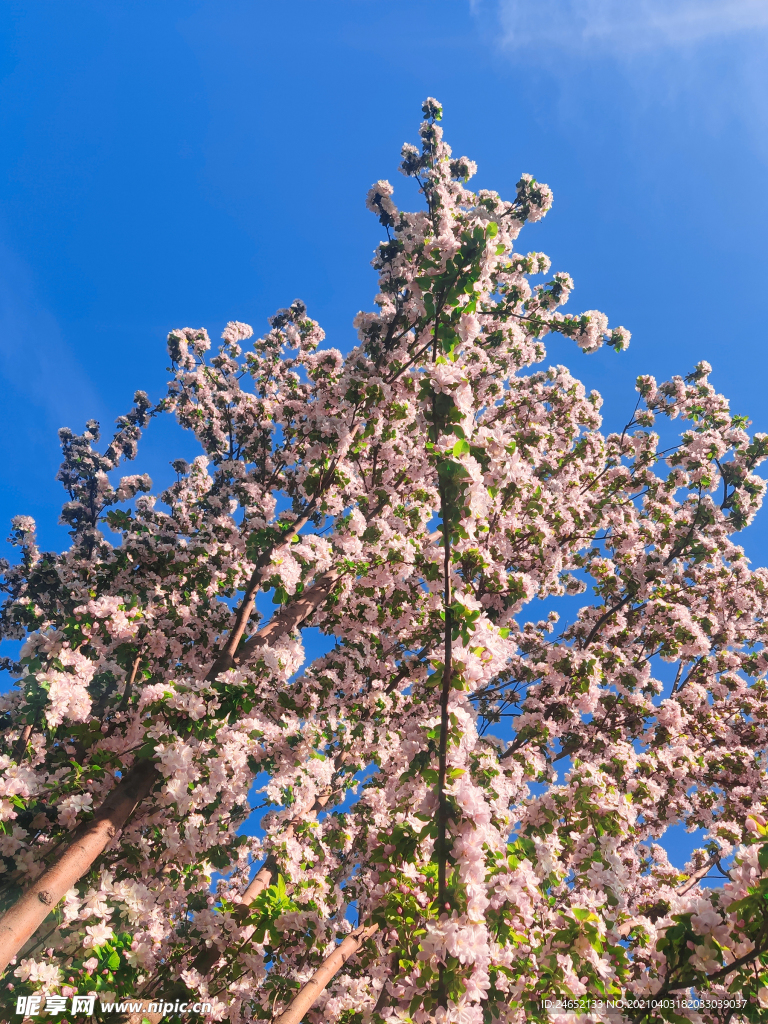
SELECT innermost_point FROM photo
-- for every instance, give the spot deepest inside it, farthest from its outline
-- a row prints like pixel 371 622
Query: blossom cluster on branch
pixel 469 801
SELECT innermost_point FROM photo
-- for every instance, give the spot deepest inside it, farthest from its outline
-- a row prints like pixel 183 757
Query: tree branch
pixel 306 997
pixel 19 923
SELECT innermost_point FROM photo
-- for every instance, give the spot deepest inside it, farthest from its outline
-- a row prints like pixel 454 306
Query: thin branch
pixel 129 685
pixel 697 876
pixel 604 618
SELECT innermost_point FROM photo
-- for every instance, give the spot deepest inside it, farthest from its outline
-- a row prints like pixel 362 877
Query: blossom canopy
pixel 459 808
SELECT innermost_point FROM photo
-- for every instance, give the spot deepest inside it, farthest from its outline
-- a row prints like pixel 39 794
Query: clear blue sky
pixel 187 162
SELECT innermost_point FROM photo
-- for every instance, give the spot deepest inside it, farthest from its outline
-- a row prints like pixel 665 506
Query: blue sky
pixel 188 162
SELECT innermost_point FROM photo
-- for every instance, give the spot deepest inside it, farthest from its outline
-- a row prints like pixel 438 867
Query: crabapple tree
pixel 460 807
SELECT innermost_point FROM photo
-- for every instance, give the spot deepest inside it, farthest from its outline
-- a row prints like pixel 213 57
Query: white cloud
pixel 702 62
pixel 624 26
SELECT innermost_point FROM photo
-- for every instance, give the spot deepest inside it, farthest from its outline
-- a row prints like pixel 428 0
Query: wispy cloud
pixel 38 369
pixel 624 26
pixel 701 61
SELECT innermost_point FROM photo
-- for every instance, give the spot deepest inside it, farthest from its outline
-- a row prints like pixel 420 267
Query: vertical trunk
pixel 445 692
pixel 441 841
pixel 19 924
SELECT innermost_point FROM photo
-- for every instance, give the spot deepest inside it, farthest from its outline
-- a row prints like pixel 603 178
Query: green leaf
pixel 451 469
pixel 114 962
pixel 583 915
pixel 119 520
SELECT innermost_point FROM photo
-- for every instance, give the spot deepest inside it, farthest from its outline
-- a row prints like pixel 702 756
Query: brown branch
pixel 514 746
pixel 19 923
pixel 263 878
pixel 604 618
pixel 716 976
pixel 384 995
pixel 405 668
pixel 22 920
pixel 226 658
pixel 290 616
pixel 305 999
pixel 129 685
pixel 20 746
pixel 696 876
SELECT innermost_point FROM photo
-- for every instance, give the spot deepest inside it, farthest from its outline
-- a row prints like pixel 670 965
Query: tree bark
pixel 19 924
pixel 20 747
pixel 305 999
pixel 290 616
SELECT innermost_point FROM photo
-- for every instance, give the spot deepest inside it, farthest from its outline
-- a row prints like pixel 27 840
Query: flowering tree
pixel 408 500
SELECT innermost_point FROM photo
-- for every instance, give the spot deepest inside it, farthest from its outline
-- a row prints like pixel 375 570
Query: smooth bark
pixel 305 999
pixel 19 923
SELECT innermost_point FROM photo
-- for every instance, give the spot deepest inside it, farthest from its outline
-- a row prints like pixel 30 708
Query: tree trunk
pixel 305 999
pixel 19 924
